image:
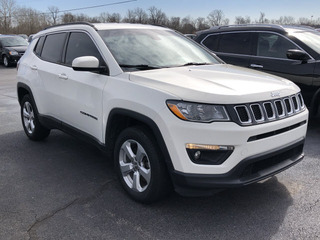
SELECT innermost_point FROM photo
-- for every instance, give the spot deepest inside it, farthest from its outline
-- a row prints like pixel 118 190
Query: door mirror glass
pixel 297 54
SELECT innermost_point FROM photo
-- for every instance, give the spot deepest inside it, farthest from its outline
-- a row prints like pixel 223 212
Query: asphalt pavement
pixel 63 188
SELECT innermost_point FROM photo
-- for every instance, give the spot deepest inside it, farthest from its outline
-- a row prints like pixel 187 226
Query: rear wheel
pixel 30 122
pixel 139 165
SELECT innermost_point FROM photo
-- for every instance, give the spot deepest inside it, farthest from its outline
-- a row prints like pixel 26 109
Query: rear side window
pixel 211 42
pixel 53 47
pixel 273 45
pixel 39 46
pixel 237 43
pixel 79 45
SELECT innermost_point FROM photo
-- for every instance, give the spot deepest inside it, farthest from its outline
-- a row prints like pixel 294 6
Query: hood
pixel 19 49
pixel 220 83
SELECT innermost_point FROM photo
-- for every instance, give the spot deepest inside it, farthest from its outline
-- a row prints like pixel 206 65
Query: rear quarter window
pixel 53 47
pixel 38 47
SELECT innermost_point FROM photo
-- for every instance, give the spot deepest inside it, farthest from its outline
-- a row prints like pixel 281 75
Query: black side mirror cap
pixel 297 54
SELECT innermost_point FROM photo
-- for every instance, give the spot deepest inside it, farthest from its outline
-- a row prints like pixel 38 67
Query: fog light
pixel 197 155
pixel 208 154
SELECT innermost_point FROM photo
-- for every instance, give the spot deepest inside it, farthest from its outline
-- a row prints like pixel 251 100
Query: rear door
pixel 45 67
pixel 232 47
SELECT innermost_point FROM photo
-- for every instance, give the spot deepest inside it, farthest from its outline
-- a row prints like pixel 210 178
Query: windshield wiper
pixel 139 66
pixel 195 63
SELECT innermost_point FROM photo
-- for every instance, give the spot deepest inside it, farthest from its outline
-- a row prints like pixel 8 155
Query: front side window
pixel 273 45
pixel 79 45
pixel 53 47
pixel 211 42
pixel 153 48
pixel 237 43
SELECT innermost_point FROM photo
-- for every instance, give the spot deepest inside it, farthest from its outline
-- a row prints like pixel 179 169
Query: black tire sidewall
pixel 8 64
pixel 39 132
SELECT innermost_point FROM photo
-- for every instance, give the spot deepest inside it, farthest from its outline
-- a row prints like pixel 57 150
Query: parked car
pixel 168 111
pixel 12 47
pixel 292 52
pixel 24 36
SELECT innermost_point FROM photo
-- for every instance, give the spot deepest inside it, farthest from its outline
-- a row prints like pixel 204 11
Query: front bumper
pixel 249 170
pixel 13 59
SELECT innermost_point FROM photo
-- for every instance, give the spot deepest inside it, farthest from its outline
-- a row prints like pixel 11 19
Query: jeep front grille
pixel 271 110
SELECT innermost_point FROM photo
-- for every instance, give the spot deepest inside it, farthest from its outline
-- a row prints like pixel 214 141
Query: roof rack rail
pixel 253 24
pixel 72 23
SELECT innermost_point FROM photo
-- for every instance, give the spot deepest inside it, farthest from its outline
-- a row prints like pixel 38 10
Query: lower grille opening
pixel 266 163
pixel 276 132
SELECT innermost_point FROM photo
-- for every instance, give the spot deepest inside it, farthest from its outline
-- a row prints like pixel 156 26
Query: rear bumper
pixel 249 170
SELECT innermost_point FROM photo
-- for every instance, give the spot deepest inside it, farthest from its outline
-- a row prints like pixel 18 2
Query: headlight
pixel 13 53
pixel 198 112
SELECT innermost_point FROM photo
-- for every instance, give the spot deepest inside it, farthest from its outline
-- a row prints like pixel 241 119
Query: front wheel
pixel 30 122
pixel 140 166
pixel 6 62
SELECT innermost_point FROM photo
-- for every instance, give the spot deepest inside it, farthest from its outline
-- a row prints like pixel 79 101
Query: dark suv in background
pixel 12 47
pixel 292 52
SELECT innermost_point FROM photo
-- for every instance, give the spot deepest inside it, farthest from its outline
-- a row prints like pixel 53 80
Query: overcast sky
pixel 273 9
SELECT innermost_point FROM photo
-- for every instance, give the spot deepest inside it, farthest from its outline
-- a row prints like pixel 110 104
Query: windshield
pixel 143 49
pixel 312 39
pixel 13 41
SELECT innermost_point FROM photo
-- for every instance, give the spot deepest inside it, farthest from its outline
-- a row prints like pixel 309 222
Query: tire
pixel 6 62
pixel 140 166
pixel 30 122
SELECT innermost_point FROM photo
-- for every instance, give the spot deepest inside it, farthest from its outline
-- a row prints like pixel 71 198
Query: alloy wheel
pixel 134 166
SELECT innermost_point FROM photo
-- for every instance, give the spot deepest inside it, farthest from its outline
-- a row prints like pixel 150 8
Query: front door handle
pixel 256 65
pixel 34 67
pixel 63 76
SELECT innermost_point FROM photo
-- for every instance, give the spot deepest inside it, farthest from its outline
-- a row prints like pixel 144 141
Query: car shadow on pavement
pixel 63 188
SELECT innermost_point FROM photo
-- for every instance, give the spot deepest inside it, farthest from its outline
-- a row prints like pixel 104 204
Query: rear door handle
pixel 34 67
pixel 63 76
pixel 256 66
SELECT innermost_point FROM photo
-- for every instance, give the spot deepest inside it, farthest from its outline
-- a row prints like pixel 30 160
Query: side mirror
pixel 297 54
pixel 89 64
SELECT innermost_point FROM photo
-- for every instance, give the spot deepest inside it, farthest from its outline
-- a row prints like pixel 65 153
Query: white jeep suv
pixel 168 111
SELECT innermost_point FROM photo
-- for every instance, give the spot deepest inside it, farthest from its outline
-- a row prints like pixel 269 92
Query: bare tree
pixel 141 15
pixel 201 23
pixel 217 18
pixel 67 18
pixel 287 20
pixel 262 18
pixel 7 8
pixel 115 17
pixel 242 20
pixel 188 25
pixel 130 17
pixel 156 16
pixel 174 23
pixel 104 17
pixel 53 10
pixel 29 21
